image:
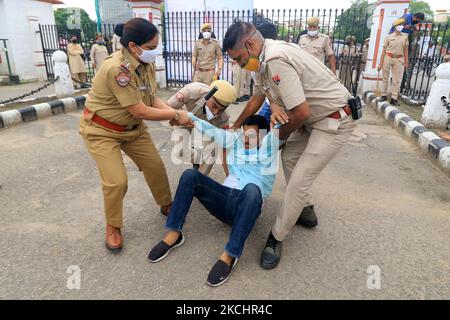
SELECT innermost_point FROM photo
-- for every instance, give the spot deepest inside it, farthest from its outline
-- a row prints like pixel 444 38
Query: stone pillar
pixel 386 12
pixel 64 86
pixel 435 114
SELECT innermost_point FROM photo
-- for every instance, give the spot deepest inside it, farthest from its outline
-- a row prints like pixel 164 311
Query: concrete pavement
pixel 380 202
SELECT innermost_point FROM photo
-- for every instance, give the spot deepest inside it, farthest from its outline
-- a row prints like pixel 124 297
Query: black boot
pixel 307 218
pixel 383 99
pixel 394 102
pixel 271 254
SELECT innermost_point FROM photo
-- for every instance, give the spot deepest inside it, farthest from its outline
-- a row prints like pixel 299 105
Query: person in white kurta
pixel 76 62
pixel 99 52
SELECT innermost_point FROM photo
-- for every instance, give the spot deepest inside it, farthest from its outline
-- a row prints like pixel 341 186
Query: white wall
pixel 20 27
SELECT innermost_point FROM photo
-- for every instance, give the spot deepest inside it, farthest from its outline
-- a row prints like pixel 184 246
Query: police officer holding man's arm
pixel 213 111
pixel 123 94
pixel 316 106
pixel 206 51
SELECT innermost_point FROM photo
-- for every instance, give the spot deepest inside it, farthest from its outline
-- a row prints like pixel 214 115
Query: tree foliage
pixel 353 22
pixel 421 6
pixel 65 17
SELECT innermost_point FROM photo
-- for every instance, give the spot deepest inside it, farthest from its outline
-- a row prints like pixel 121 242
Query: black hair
pixel 419 15
pixel 236 32
pixel 268 30
pixel 136 30
pixel 259 121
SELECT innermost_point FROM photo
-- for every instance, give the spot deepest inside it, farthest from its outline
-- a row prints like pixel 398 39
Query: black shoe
pixel 271 254
pixel 195 166
pixel 307 218
pixel 383 99
pixel 162 249
pixel 245 97
pixel 394 102
pixel 220 272
pixel 236 102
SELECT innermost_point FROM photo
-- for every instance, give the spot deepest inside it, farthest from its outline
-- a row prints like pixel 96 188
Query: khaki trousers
pixel 205 77
pixel 306 154
pixel 241 81
pixel 104 146
pixel 393 67
pixel 81 77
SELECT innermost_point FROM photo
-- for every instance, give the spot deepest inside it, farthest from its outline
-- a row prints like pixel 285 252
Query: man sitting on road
pixel 237 202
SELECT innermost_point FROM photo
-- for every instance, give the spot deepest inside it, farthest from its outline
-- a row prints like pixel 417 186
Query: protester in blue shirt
pixel 408 21
pixel 237 202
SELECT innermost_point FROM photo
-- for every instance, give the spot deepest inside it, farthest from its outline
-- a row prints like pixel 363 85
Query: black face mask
pixel 74 41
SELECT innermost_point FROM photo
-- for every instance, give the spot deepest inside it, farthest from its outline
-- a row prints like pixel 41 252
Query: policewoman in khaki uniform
pixel 317 44
pixel 123 94
pixel 214 111
pixel 206 51
pixel 394 59
pixel 310 102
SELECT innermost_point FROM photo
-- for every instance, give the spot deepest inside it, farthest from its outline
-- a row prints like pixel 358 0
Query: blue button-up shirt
pixel 407 21
pixel 256 165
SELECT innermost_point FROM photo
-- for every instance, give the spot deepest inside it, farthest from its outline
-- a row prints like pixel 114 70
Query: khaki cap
pixel 350 38
pixel 226 93
pixel 313 21
pixel 206 26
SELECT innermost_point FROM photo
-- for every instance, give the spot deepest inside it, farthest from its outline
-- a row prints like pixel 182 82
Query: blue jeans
pixel 238 208
pixel 265 111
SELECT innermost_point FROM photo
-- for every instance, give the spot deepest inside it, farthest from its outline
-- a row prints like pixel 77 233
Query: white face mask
pixel 399 28
pixel 206 35
pixel 209 114
pixel 148 56
pixel 313 33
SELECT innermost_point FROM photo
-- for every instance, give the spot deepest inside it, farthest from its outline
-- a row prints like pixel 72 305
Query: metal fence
pixel 57 37
pixel 4 57
pixel 428 46
pixel 182 29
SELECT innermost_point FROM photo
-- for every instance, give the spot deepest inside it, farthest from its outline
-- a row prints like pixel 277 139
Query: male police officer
pixel 317 44
pixel 206 51
pixel 214 111
pixel 316 120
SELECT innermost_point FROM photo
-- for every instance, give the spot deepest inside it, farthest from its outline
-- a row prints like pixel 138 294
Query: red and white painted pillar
pixel 386 12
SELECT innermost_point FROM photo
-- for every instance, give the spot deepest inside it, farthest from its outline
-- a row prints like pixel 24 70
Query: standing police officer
pixel 206 51
pixel 123 94
pixel 394 59
pixel 310 102
pixel 214 111
pixel 349 54
pixel 317 44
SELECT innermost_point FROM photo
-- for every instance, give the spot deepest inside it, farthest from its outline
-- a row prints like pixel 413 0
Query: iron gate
pixel 182 29
pixel 57 37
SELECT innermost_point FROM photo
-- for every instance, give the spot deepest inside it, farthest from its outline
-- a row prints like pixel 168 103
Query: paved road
pixel 380 202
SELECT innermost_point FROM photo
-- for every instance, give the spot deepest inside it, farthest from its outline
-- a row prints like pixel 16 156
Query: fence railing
pixel 57 37
pixel 4 54
pixel 428 46
pixel 182 29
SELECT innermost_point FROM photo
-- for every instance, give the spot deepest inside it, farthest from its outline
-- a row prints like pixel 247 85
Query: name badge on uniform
pixel 123 79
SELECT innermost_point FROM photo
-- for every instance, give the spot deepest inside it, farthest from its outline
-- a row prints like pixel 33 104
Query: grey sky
pixel 88 5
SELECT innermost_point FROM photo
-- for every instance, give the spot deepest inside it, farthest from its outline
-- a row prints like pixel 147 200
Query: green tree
pixel 353 21
pixel 63 16
pixel 421 6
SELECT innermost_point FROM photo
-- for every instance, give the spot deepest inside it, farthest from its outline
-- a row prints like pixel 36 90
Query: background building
pixel 19 26
pixel 115 11
pixel 441 16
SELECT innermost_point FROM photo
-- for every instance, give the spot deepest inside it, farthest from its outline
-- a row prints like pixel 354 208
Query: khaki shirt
pixel 192 93
pixel 76 63
pixel 98 54
pixel 318 46
pixel 349 53
pixel 290 76
pixel 116 45
pixel 121 82
pixel 207 54
pixel 396 43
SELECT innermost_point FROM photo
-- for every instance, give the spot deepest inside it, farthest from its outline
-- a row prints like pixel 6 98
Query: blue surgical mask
pixel 148 56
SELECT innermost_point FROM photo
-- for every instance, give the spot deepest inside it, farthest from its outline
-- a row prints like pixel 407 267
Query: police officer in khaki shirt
pixel 206 51
pixel 317 44
pixel 214 111
pixel 310 102
pixel 123 94
pixel 393 59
